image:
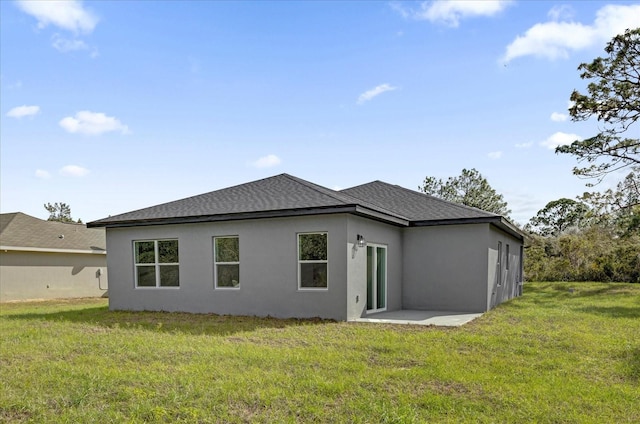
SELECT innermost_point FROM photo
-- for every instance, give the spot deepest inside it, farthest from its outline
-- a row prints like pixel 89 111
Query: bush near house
pixel 562 353
pixel 593 254
pixel 594 239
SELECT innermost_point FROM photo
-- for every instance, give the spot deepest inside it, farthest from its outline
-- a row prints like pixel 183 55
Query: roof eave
pixel 499 221
pixel 382 217
pixel 223 217
pixel 284 213
pixel 510 228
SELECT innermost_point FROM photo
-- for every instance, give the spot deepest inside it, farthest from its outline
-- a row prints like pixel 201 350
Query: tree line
pixel 595 237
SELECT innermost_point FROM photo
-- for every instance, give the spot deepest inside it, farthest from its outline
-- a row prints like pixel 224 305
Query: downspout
pixel 98 275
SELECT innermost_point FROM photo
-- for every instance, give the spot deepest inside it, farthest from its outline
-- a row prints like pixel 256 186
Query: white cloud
pixel 524 145
pixel 73 171
pixel 92 123
pixel 22 111
pixel 65 45
pixel 267 161
pixel 400 9
pixel 494 155
pixel 559 117
pixel 41 173
pixel 523 204
pixel 560 12
pixel 452 11
pixel 554 40
pixel 559 139
pixel 370 94
pixel 69 15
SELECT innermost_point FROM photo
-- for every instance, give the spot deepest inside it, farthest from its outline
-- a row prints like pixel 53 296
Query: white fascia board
pixel 51 250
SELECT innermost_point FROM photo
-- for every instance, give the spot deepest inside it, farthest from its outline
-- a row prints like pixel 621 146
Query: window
pixel 312 261
pixel 506 259
pixel 499 264
pixel 227 262
pixel 156 263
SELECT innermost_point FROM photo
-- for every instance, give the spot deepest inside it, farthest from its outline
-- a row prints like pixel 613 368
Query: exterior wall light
pixel 360 242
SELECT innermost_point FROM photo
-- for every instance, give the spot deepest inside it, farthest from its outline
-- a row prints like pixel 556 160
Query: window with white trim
pixel 227 262
pixel 157 263
pixel 312 261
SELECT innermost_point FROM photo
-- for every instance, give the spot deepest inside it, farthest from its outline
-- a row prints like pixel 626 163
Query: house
pixel 285 247
pixel 46 259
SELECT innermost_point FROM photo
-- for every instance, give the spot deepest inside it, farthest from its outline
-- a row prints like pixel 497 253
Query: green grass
pixel 554 355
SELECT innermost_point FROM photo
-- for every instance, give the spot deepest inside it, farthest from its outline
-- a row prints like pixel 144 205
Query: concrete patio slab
pixel 437 318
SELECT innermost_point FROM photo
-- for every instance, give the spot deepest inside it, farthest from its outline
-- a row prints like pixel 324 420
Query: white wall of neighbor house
pixel 504 275
pixel 268 269
pixel 379 234
pixel 445 268
pixel 27 275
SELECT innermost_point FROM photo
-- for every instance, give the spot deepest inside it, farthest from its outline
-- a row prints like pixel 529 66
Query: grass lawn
pixel 562 353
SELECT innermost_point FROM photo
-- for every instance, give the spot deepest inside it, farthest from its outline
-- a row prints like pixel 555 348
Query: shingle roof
pixel 23 232
pixel 414 205
pixel 282 194
pixel 285 195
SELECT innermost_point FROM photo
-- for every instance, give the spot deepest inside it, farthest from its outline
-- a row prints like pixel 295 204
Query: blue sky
pixel 115 106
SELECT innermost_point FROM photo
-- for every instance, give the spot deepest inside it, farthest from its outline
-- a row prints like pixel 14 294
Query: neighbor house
pixel 285 247
pixel 47 259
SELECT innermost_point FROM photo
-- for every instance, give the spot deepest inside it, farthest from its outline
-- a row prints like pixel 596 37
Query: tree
pixel 605 244
pixel 470 188
pixel 558 216
pixel 618 209
pixel 60 212
pixel 593 254
pixel 614 99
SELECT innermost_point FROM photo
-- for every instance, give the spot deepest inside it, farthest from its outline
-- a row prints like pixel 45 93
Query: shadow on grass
pixel 633 363
pixel 579 289
pixel 170 322
pixel 613 311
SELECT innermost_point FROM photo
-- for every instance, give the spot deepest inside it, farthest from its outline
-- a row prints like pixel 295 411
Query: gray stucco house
pixel 285 247
pixel 47 259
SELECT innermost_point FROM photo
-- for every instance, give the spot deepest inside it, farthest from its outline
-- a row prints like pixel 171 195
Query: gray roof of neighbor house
pixel 19 231
pixel 285 195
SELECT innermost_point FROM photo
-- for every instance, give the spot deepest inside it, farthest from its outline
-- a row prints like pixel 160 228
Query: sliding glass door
pixel 376 278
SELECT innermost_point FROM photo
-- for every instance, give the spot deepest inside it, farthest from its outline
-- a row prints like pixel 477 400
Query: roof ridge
pixel 26 231
pixel 331 193
pixel 51 222
pixel 356 200
pixel 9 220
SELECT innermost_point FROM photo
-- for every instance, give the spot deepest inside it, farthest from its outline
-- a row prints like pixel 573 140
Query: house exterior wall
pixel 26 275
pixel 446 268
pixel 375 233
pixel 505 276
pixel 268 269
